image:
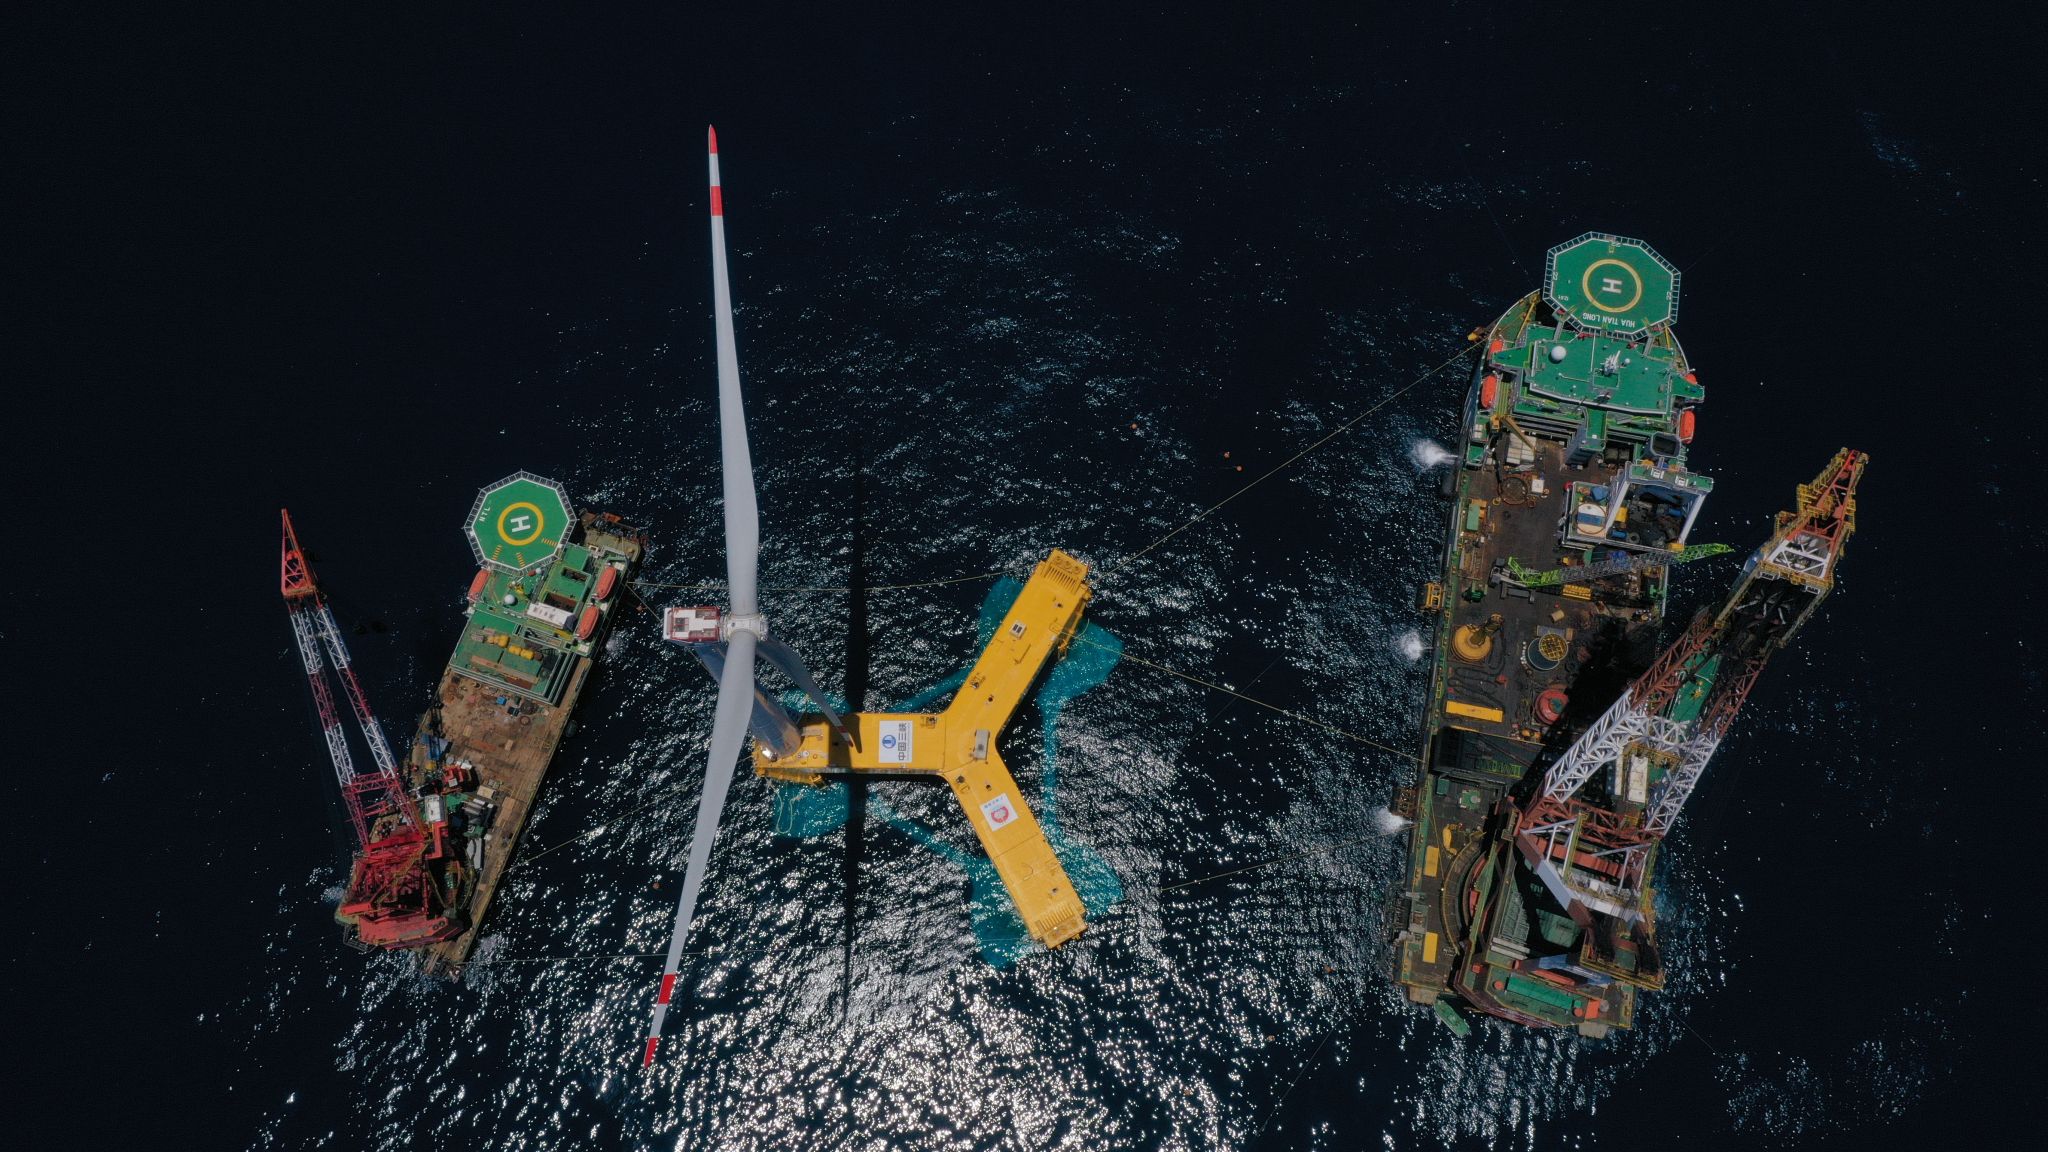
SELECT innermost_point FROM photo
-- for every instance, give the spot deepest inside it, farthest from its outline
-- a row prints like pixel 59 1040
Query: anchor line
pixel 575 957
pixel 1290 461
pixel 669 793
pixel 1075 636
pixel 665 796
pixel 1254 867
pixel 720 585
pixel 713 586
pixel 1295 1083
pixel 637 585
pixel 1290 714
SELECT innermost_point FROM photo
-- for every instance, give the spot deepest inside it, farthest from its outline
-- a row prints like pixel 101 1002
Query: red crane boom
pixel 373 795
pixel 395 897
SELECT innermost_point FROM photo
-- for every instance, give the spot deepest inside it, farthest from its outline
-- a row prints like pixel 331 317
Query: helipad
pixel 519 523
pixel 1611 284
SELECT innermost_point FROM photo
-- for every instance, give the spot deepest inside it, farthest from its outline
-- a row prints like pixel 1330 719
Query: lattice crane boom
pixel 373 732
pixel 323 700
pixel 1675 715
pixel 1638 717
pixel 369 796
pixel 1782 586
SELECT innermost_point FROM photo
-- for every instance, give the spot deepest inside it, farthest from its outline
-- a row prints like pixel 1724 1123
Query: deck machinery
pixel 1559 744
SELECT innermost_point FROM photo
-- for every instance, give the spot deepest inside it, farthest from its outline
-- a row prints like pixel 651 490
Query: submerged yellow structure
pixel 959 744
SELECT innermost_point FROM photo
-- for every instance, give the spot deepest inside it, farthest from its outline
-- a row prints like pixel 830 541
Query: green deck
pixel 540 676
pixel 521 636
pixel 1642 379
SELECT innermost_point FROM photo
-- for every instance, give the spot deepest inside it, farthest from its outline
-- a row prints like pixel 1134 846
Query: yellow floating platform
pixel 960 745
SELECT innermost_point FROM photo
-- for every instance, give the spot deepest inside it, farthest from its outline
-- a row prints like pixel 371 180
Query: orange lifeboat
pixel 1686 423
pixel 476 585
pixel 586 624
pixel 1489 391
pixel 606 581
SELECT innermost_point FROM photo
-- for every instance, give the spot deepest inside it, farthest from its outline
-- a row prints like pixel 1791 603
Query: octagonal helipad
pixel 1610 284
pixel 519 523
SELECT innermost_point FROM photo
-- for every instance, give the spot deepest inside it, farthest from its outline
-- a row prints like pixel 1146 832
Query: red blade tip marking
pixel 668 988
pixel 717 202
pixel 652 1043
pixel 712 132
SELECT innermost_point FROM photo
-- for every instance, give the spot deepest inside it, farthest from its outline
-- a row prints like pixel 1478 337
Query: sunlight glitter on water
pixel 835 973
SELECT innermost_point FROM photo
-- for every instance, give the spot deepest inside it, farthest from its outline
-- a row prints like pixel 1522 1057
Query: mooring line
pixel 1291 460
pixel 1292 715
pixel 603 827
pixel 637 585
pixel 719 585
pixel 1114 923
pixel 1306 1065
pixel 665 796
pixel 1302 855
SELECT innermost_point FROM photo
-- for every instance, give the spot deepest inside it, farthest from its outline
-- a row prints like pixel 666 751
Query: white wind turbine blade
pixel 728 734
pixel 792 665
pixel 742 515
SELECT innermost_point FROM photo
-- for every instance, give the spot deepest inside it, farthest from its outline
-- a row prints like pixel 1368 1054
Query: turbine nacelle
pixel 698 625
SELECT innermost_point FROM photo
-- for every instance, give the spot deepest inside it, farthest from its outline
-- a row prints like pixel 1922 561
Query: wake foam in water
pixel 1428 454
pixel 1386 823
pixel 1409 644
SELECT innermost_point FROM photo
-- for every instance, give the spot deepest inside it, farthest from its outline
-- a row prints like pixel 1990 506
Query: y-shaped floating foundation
pixel 959 744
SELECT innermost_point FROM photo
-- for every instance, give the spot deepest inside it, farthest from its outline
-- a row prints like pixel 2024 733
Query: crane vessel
pixel 1559 744
pixel 435 831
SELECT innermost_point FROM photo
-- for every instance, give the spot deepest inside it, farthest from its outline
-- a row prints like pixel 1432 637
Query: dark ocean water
pixel 1003 285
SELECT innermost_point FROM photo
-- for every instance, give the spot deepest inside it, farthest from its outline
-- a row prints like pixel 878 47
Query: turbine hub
pixel 753 622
